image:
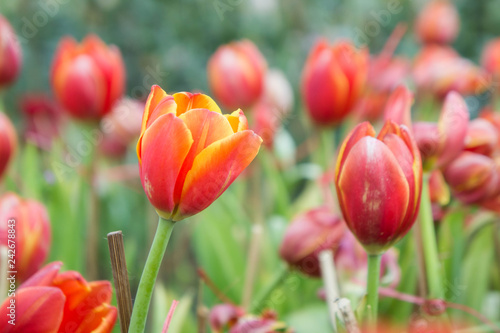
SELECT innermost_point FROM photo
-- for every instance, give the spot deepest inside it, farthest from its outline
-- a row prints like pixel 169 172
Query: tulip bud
pixel 10 54
pixel 473 178
pixel 203 152
pixel 440 143
pixel 333 80
pixel 236 74
pixel 8 143
pixel 438 22
pixel 44 119
pixel 33 232
pixel 87 78
pixel 490 59
pixel 224 316
pixel 379 182
pixel 482 137
pixel 398 107
pixel 121 127
pixel 309 234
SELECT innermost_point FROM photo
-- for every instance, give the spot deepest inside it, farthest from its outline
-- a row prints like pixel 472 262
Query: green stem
pixel 263 296
pixel 148 278
pixel 327 144
pixel 372 286
pixel 429 244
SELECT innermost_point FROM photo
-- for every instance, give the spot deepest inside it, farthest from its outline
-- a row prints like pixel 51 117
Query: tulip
pixel 121 127
pixel 482 137
pixel 50 301
pixel 10 54
pixel 309 234
pixel 203 152
pixel 44 119
pixel 32 236
pixel 398 107
pixel 490 58
pixel 236 74
pixel 473 178
pixel 439 70
pixel 438 22
pixel 87 78
pixel 378 182
pixel 440 143
pixel 8 143
pixel 333 80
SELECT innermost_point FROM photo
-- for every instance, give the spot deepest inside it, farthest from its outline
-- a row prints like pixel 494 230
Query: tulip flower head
pixel 398 107
pixel 51 301
pixel 8 143
pixel 332 81
pixel 438 22
pixel 490 58
pixel 10 54
pixel 482 137
pixel 189 153
pixel 33 232
pixel 441 142
pixel 87 78
pixel 379 182
pixel 236 74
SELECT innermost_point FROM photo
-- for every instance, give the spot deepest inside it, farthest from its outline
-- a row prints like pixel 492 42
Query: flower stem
pixel 148 278
pixel 372 286
pixel 429 244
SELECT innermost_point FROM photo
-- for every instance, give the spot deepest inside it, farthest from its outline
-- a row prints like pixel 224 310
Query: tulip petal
pixel 187 101
pixel 74 287
pixel 44 276
pixel 360 131
pixel 214 169
pixel 164 147
pixel 37 310
pixel 237 120
pixel 155 97
pixel 398 106
pixel 378 194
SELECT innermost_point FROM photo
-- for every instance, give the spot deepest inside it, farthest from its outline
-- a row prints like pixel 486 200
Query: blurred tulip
pixel 482 137
pixel 332 81
pixel 236 74
pixel 438 22
pixel 10 54
pixel 473 178
pixel 50 301
pixel 121 127
pixel 398 107
pixel 309 233
pixel 8 143
pixel 87 78
pixel 202 152
pixel 494 119
pixel 44 119
pixel 224 316
pixel 379 182
pixel 439 70
pixel 33 232
pixel 492 204
pixel 439 193
pixel 441 142
pixel 490 59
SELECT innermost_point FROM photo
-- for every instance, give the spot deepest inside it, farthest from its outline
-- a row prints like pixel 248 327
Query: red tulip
pixel 398 107
pixel 236 74
pixel 494 119
pixel 473 178
pixel 8 143
pixel 189 153
pixel 32 236
pixel 308 234
pixel 440 143
pixel 482 137
pixel 490 58
pixel 379 182
pixel 333 80
pixel 10 54
pixel 61 302
pixel 87 78
pixel 438 22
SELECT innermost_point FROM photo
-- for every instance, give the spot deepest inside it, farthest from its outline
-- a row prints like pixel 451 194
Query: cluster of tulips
pixel 422 166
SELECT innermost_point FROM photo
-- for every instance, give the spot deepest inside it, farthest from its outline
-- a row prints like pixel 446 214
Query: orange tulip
pixel 438 22
pixel 87 78
pixel 32 236
pixel 236 74
pixel 379 182
pixel 51 302
pixel 332 81
pixel 10 53
pixel 189 153
pixel 8 143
